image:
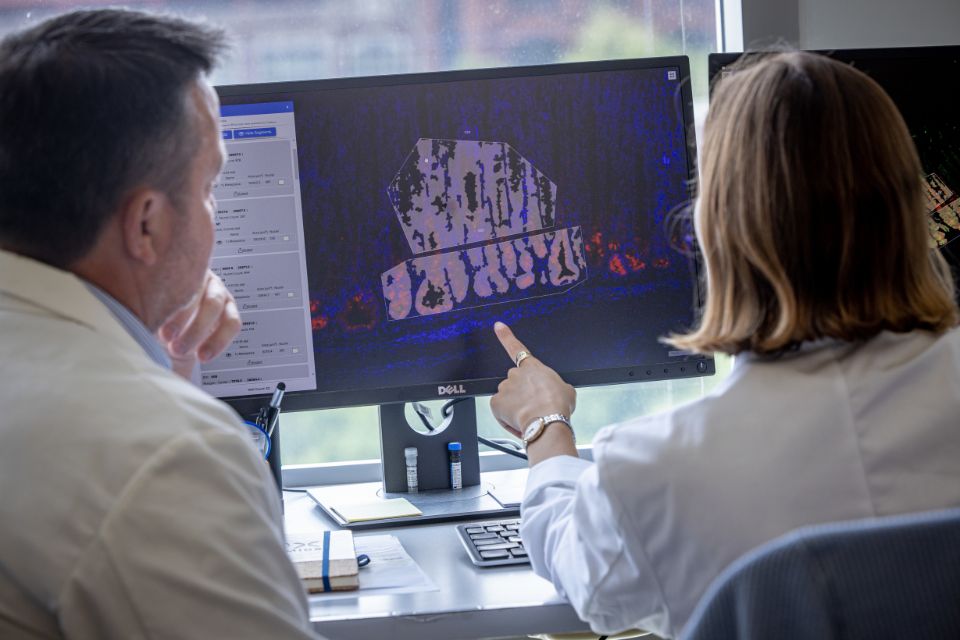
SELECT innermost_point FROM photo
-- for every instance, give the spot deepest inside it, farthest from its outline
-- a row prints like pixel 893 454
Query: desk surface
pixel 470 602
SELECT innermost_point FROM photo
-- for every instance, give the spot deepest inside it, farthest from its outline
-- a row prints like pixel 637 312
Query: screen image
pixel 917 79
pixel 433 206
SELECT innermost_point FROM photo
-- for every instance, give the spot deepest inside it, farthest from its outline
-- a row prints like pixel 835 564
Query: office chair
pixel 896 576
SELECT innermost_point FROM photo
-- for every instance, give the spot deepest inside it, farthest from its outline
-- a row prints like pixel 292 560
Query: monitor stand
pixel 433 464
pixel 434 497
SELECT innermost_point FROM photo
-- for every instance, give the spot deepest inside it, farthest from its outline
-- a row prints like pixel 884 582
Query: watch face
pixel 532 431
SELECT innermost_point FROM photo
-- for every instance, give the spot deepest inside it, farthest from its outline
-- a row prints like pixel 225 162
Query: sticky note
pixel 378 510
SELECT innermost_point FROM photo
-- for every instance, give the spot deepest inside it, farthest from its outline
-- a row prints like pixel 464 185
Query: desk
pixel 470 602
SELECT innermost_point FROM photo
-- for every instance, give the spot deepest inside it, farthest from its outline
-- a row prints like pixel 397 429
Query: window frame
pixel 299 476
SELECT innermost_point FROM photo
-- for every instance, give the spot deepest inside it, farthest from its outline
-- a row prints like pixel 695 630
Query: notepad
pixel 325 562
pixel 377 510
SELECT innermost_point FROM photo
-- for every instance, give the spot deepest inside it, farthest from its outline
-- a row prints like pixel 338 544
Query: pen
pixel 272 411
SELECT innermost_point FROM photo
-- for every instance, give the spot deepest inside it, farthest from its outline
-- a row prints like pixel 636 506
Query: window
pixel 336 435
pixel 277 40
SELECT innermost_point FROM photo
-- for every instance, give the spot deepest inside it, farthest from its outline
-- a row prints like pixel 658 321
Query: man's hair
pixel 811 216
pixel 92 105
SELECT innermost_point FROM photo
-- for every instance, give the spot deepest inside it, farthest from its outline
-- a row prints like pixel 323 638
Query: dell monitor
pixel 372 230
pixel 917 79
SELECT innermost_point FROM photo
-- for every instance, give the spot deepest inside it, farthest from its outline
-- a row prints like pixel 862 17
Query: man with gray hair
pixel 134 505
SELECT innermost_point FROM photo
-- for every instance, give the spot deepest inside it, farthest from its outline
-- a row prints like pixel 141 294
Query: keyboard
pixel 493 543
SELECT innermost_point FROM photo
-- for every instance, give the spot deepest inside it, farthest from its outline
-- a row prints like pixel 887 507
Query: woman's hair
pixel 811 217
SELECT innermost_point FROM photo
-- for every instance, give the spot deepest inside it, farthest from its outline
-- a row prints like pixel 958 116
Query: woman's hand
pixel 532 389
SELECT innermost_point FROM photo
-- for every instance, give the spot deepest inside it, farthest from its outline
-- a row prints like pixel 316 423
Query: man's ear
pixel 144 221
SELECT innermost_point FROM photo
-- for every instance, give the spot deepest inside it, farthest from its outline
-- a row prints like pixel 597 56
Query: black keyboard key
pixel 481 544
pixel 483 536
pixel 493 543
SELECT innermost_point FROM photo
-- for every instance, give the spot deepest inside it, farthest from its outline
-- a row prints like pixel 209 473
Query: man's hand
pixel 531 389
pixel 203 329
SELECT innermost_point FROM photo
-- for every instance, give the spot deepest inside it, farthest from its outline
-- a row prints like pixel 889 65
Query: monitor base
pixel 438 505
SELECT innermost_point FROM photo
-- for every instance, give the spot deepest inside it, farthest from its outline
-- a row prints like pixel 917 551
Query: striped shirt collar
pixel 133 326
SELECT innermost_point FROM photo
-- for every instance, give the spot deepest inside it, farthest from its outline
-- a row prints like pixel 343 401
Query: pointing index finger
pixel 509 341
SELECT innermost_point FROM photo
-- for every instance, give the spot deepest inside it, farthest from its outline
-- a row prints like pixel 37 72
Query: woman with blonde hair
pixel 844 399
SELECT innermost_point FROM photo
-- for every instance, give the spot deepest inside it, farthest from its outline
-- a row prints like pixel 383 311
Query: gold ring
pixel 523 355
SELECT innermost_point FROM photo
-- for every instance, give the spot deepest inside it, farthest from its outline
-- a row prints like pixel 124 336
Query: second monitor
pixel 912 76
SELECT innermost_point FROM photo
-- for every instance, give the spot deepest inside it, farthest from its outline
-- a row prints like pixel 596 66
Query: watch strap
pixel 536 427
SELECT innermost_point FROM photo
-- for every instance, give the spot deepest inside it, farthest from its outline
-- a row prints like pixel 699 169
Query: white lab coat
pixel 836 431
pixel 132 504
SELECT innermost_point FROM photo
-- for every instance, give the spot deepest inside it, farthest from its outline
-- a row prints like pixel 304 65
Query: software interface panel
pixel 259 252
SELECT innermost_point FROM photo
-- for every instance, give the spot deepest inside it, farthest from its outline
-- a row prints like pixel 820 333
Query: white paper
pixel 391 570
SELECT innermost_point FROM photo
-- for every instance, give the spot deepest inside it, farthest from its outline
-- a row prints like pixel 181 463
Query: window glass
pixel 335 435
pixel 278 40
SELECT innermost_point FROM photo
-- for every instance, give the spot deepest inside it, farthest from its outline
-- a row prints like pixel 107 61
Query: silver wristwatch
pixel 535 429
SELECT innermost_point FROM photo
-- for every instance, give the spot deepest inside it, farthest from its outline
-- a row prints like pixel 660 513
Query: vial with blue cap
pixel 456 475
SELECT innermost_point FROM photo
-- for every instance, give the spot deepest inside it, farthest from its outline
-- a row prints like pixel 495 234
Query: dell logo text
pixel 451 390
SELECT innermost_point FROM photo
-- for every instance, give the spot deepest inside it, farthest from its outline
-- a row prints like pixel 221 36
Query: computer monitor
pixel 373 230
pixel 918 79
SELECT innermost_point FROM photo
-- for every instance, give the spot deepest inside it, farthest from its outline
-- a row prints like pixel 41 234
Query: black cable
pixel 508 443
pixel 445 412
pixel 499 447
pixel 423 418
pixel 445 409
pixel 295 490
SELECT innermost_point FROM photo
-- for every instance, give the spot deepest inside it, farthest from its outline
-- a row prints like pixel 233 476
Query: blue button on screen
pixel 262 132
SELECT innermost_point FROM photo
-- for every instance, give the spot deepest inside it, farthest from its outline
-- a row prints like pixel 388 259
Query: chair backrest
pixel 890 577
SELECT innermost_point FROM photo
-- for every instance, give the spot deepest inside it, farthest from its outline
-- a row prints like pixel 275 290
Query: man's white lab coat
pixel 132 504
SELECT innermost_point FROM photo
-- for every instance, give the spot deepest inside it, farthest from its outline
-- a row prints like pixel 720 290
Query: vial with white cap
pixel 410 454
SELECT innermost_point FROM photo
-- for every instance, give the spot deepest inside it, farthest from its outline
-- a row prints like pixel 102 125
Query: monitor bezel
pixel 691 366
pixel 716 62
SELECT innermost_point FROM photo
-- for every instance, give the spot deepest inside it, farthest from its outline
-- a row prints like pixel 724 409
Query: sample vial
pixel 410 454
pixel 456 476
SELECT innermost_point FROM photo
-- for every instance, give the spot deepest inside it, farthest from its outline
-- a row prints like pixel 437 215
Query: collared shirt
pixel 133 326
pixel 834 431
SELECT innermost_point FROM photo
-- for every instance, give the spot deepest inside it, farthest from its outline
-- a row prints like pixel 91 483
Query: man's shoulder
pixel 84 420
pixel 95 410
pixel 75 393
pixel 168 398
pixel 72 369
